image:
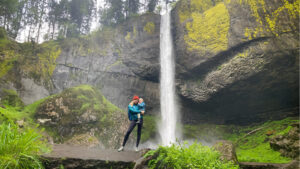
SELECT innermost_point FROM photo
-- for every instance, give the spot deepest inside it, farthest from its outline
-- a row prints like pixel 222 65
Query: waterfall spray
pixel 169 117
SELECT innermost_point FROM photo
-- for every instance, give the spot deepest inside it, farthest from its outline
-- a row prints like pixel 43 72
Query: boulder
pixel 83 116
pixel 288 144
pixel 227 150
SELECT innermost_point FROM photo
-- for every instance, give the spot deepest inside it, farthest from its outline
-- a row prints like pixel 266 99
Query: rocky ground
pixel 67 156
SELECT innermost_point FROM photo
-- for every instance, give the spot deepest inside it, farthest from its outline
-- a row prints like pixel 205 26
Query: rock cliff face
pixel 120 62
pixel 237 61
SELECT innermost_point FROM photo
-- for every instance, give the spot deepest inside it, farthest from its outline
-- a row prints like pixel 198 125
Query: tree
pixel 8 9
pixel 151 5
pixel 112 13
pixel 81 13
pixel 131 7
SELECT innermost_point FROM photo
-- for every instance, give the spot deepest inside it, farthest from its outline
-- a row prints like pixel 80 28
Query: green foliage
pixel 37 61
pixel 77 101
pixel 9 54
pixel 267 19
pixel 189 157
pixel 260 153
pixel 10 113
pixel 14 110
pixel 114 14
pixel 249 147
pixel 149 28
pixel 20 148
pixel 149 129
pixel 151 5
pixel 208 31
pixel 11 98
pixel 256 148
pixel 285 131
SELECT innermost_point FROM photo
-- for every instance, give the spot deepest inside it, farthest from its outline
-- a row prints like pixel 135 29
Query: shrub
pixel 189 157
pixel 20 149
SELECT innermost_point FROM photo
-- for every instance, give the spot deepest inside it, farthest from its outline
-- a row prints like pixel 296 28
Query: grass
pixel 249 147
pixel 20 148
pixel 187 157
pixel 261 153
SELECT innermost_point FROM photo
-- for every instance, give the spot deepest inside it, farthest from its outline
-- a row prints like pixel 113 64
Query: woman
pixel 133 111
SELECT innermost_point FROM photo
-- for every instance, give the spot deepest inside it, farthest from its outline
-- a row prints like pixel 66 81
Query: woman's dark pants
pixel 131 127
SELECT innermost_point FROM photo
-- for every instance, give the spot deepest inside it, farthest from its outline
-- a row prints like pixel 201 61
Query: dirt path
pixel 78 156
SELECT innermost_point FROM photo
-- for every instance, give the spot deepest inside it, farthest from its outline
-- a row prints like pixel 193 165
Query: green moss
pixel 261 153
pixel 109 106
pixel 118 62
pixel 249 147
pixel 267 19
pixel 48 54
pixel 243 54
pixel 11 98
pixel 149 28
pixel 8 61
pixel 85 106
pixel 208 31
pixel 131 35
pixel 285 131
pixel 83 88
pixel 37 61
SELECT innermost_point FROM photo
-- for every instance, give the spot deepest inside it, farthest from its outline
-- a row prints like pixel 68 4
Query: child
pixel 141 106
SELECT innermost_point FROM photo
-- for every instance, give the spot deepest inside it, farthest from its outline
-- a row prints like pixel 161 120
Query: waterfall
pixel 167 126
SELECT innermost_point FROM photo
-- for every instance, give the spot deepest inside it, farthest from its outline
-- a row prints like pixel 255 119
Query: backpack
pixel 129 115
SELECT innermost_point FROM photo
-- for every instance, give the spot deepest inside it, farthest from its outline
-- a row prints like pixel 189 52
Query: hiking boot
pixel 136 149
pixel 121 149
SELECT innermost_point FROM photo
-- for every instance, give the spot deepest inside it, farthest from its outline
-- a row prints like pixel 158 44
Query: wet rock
pixel 21 123
pixel 232 84
pixel 227 150
pixel 125 62
pixel 142 163
pixel 288 144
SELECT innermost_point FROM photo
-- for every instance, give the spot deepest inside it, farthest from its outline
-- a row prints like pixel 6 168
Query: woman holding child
pixel 136 110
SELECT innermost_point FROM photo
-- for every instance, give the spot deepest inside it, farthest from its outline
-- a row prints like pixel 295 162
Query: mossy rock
pixel 253 147
pixel 79 110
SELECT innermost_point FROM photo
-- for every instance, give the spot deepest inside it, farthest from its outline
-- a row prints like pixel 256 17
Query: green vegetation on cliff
pixel 187 156
pixel 269 19
pixel 207 25
pixel 36 61
pixel 253 147
pixel 149 27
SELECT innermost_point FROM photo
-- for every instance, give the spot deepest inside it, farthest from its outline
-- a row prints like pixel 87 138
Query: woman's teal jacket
pixel 133 111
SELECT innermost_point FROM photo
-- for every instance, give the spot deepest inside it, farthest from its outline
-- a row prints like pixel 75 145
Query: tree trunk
pixel 40 20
